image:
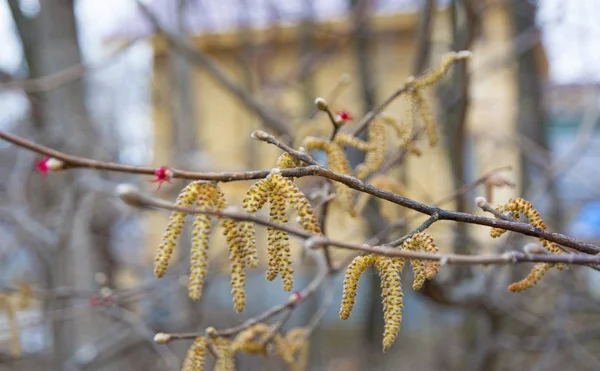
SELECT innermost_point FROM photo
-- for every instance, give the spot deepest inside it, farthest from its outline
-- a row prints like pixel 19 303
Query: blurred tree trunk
pixel 60 120
pixel 531 122
pixel 454 101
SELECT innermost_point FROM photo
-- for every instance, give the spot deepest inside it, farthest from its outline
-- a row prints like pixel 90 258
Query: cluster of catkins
pixel 389 269
pixel 375 147
pixel 240 236
pixel 517 207
pixel 292 347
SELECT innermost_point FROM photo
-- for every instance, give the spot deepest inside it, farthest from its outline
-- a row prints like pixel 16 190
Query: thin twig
pixel 426 224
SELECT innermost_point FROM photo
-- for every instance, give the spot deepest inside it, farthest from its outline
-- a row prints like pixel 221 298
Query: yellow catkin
pixel 538 271
pixel 297 338
pixel 418 266
pixel 225 362
pixel 296 198
pixel 209 197
pixel 347 139
pixel 287 161
pixel 187 197
pixel 518 207
pixel 256 197
pixel 403 131
pixel 375 157
pixel 429 246
pixel 434 75
pixel 248 249
pixel 278 249
pixel 284 350
pixel 196 355
pixel 238 282
pixel 199 256
pixel 353 273
pixel 337 162
pixel 391 292
pixel 246 341
pixel 427 116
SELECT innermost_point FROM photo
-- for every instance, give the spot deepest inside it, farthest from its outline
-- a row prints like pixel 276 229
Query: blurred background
pixel 183 83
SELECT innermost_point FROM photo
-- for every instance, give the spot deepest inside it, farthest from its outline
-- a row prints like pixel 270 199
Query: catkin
pixel 209 197
pixel 196 355
pixel 418 265
pixel 199 256
pixel 518 207
pixel 225 362
pixel 427 116
pixel 174 228
pixel 337 162
pixel 256 196
pixel 238 282
pixel 538 271
pixel 297 199
pixel 391 291
pixel 434 75
pixel 428 245
pixel 353 274
pixel 287 161
pixel 375 157
pixel 347 139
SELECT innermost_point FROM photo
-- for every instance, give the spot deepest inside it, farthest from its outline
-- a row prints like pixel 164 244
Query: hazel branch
pixel 313 170
pixel 131 196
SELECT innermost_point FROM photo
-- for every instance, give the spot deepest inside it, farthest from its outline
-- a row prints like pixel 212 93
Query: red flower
pixel 95 301
pixel 48 164
pixel 163 174
pixel 42 166
pixel 344 116
pixel 297 296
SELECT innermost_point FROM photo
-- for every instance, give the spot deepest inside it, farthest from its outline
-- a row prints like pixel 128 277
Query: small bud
pixel 480 201
pixel 55 164
pixel 162 338
pixel 259 135
pixel 464 54
pixel 100 278
pixel 534 248
pixel 129 194
pixel 211 331
pixel 296 297
pixel 321 104
pixel 48 164
pixel 106 292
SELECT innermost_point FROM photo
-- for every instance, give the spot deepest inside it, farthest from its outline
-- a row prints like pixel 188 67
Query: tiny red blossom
pixel 163 174
pixel 42 166
pixel 95 301
pixel 297 296
pixel 344 116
